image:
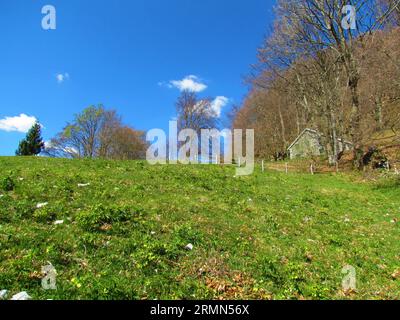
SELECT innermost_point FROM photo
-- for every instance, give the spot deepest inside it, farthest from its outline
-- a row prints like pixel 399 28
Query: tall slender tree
pixel 33 144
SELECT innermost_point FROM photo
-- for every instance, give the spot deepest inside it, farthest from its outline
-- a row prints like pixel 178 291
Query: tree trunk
pixel 283 130
pixel 378 113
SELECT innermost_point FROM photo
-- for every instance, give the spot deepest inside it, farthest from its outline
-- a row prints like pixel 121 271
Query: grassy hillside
pixel 266 236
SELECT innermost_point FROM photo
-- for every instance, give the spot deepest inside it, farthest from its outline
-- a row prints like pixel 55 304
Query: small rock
pixel 153 233
pixel 21 296
pixel 3 294
pixel 41 205
pixel 347 220
pixel 396 275
pixel 106 227
pixel 82 185
pixel 58 222
pixel 309 257
pixel 189 247
pixel 284 260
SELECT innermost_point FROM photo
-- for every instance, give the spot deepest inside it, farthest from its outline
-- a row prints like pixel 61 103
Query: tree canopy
pixel 33 143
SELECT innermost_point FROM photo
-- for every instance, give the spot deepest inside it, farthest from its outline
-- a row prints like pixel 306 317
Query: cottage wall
pixel 307 145
pixel 344 146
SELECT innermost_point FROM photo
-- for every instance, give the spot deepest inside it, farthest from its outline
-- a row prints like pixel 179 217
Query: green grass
pixel 266 236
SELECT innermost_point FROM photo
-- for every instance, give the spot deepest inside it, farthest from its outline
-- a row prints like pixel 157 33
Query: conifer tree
pixel 33 143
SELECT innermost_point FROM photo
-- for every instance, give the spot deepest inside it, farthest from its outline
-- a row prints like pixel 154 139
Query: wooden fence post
pixel 287 168
pixel 262 166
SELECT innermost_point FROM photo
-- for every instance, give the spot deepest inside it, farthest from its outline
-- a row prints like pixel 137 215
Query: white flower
pixel 3 294
pixel 189 247
pixel 41 205
pixel 82 185
pixel 21 296
pixel 58 222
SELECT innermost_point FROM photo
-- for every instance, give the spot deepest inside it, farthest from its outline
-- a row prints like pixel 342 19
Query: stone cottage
pixel 309 144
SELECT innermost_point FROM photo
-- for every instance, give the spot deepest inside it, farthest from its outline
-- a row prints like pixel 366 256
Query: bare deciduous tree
pixel 97 133
pixel 194 113
pixel 314 58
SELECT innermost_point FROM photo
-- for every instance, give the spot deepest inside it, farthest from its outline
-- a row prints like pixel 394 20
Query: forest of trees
pixel 315 71
pixel 319 68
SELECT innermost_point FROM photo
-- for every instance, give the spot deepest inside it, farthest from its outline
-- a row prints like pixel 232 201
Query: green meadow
pixel 124 228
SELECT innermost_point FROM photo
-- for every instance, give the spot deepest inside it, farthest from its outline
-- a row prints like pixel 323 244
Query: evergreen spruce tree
pixel 33 144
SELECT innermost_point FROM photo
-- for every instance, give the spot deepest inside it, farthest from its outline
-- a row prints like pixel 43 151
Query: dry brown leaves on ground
pixel 224 283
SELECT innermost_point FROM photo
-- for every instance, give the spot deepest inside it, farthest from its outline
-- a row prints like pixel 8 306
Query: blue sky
pixel 130 55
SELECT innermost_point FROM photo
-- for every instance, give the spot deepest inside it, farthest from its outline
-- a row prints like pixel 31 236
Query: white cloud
pixel 71 151
pixel 217 104
pixel 191 83
pixel 61 77
pixel 48 144
pixel 165 84
pixel 213 108
pixel 21 123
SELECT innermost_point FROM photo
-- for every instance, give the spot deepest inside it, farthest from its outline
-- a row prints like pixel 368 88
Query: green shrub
pixel 23 209
pixel 388 183
pixel 272 270
pixel 44 215
pixel 154 254
pixel 185 234
pixel 99 215
pixel 317 291
pixel 8 184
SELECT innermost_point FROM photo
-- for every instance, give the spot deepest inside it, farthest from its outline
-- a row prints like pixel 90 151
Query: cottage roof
pixel 316 133
pixel 301 134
